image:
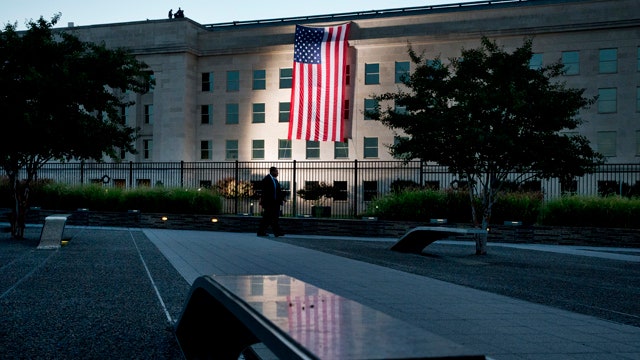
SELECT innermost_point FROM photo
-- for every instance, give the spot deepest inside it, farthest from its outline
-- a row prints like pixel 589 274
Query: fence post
pixel 82 172
pixel 355 188
pixel 294 198
pixel 182 174
pixel 421 173
pixel 130 174
pixel 235 190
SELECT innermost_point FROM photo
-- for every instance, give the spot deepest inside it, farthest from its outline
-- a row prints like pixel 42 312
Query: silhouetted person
pixel 179 14
pixel 271 200
pixel 170 13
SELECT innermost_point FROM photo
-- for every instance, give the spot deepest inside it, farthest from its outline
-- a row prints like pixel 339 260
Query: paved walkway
pixel 501 327
pixel 117 292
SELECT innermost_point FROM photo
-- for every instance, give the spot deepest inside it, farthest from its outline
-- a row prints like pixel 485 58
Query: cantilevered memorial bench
pixel 416 239
pixel 224 315
pixel 51 235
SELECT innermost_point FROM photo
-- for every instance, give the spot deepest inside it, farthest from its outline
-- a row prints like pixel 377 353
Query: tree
pixel 61 99
pixel 488 114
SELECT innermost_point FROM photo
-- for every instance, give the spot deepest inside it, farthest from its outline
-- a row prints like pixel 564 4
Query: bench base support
pixel 416 239
pixel 51 236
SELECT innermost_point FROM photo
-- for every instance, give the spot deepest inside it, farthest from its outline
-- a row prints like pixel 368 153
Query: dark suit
pixel 271 200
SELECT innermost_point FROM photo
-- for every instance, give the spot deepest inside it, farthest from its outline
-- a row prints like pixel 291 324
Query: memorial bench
pixel 226 315
pixel 416 239
pixel 51 235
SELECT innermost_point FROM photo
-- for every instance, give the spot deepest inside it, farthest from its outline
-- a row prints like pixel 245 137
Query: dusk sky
pixel 90 12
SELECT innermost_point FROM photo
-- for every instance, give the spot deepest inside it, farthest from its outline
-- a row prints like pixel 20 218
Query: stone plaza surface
pixel 117 292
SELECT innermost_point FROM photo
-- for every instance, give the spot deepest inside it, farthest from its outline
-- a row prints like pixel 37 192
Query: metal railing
pixel 358 182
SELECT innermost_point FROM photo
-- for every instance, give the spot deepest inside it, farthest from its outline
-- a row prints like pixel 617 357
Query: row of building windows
pixel 607 104
pixel 606 143
pixel 607 61
pixel 259 77
pixel 340 149
pixel 607 64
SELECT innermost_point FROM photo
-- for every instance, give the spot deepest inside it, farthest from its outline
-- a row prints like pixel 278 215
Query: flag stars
pixel 307 45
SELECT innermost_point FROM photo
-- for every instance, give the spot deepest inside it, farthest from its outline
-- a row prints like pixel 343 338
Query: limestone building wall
pixel 180 51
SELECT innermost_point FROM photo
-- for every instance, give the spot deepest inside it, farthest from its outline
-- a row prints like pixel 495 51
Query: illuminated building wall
pixel 205 108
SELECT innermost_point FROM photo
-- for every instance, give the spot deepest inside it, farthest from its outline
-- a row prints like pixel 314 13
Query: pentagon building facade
pixel 222 91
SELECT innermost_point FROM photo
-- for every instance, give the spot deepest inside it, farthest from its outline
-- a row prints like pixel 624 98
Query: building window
pixel 284 149
pixel 206 114
pixel 206 150
pixel 607 100
pixel 285 188
pixel 150 86
pixel 233 81
pixel 370 190
pixel 607 143
pixel 370 109
pixel 231 150
pixel 340 188
pixel 346 112
pixel 233 115
pixel 608 61
pixel 258 113
pixel 402 110
pixel 259 80
pixel 313 150
pixel 371 74
pixel 638 99
pixel 286 78
pixel 147 148
pixel 402 72
pixel 340 150
pixel 284 108
pixel 148 114
pixel 207 82
pixel 347 74
pixel 536 62
pixel 638 59
pixel 143 182
pixel 637 142
pixel 571 62
pixel 371 147
pixel 257 149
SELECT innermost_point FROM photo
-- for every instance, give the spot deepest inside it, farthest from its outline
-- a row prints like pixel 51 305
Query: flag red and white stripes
pixel 318 89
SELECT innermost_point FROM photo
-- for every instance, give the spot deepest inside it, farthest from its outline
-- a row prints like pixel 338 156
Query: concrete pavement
pixel 501 327
pixel 117 292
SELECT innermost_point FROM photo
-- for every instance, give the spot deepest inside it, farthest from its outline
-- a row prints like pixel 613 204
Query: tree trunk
pixel 481 239
pixel 481 244
pixel 19 211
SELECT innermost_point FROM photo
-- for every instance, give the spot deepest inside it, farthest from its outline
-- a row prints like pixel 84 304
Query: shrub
pixel 422 205
pixel 520 206
pixel 99 198
pixel 227 188
pixel 611 211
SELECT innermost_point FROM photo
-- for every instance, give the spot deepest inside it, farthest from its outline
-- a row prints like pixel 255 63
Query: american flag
pixel 318 90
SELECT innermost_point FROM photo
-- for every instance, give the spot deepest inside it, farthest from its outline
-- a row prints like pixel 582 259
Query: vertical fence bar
pixel 294 198
pixel 235 187
pixel 182 174
pixel 130 174
pixel 82 172
pixel 355 188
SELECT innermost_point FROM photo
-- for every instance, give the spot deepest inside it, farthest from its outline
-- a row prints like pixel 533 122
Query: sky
pixel 92 12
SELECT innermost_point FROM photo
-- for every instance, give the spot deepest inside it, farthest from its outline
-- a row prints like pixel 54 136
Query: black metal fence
pixel 356 182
